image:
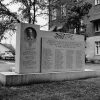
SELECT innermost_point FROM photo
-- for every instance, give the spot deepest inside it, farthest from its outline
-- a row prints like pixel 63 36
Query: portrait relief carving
pixel 30 35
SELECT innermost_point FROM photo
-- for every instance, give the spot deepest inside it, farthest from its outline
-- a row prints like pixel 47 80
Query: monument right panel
pixel 64 53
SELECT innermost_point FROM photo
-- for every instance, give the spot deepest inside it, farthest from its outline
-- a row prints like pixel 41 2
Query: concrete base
pixel 12 78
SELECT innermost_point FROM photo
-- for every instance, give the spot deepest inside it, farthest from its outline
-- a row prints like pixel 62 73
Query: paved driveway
pixel 92 66
pixel 6 65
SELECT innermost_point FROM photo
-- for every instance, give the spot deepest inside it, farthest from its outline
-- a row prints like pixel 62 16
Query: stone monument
pixel 41 51
pixel 46 56
pixel 27 49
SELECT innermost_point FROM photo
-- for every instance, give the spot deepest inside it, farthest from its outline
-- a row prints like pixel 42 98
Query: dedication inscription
pixel 29 51
pixel 62 54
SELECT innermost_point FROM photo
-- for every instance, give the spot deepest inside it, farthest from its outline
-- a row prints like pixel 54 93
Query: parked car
pixel 7 56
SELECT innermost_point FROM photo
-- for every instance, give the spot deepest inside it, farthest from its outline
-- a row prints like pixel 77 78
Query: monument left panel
pixel 27 48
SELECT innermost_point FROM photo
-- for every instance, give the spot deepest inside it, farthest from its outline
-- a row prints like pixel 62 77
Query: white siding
pixel 91 47
pixel 3 48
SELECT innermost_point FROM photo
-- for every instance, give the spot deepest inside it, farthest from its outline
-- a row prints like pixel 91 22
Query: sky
pixel 40 21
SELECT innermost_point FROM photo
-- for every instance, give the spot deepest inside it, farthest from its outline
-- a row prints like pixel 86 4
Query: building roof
pixel 9 46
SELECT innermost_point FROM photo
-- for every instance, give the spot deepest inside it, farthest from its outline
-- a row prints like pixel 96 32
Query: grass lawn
pixel 87 89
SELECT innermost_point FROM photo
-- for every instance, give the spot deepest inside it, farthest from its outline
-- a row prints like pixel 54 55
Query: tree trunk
pixel 34 12
pixel 49 13
pixel 30 19
pixel 77 30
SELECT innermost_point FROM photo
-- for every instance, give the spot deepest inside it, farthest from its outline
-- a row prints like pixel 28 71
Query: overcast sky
pixel 40 20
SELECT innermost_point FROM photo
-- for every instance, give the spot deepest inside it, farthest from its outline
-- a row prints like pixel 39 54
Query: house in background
pixel 6 47
pixel 93 31
pixel 58 16
pixel 92 20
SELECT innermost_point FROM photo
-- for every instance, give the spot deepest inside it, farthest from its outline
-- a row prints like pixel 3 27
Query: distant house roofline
pixel 9 46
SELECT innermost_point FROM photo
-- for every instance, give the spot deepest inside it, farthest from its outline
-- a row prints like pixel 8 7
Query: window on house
pixel 97 47
pixel 63 10
pixel 82 24
pixel 74 30
pixel 97 2
pixel 54 14
pixel 81 28
pixel 97 27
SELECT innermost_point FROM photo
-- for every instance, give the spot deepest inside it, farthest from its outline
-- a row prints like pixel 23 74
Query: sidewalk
pixel 91 67
pixel 5 65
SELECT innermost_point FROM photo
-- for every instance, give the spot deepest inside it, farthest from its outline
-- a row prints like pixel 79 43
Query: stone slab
pixel 12 78
pixel 27 48
pixel 62 52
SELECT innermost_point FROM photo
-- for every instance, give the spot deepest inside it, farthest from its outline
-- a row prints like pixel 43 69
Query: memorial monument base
pixel 12 78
